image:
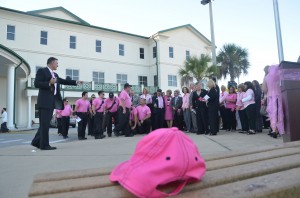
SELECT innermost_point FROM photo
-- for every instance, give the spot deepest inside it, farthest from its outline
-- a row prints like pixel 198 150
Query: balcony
pixel 95 87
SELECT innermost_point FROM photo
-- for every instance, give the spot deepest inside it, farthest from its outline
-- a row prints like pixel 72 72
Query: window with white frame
pixel 121 49
pixel 142 53
pixel 73 42
pixel 172 81
pixel 187 55
pixel 11 30
pixel 171 52
pixel 143 80
pixel 98 46
pixel 44 38
pixel 122 78
pixel 73 74
pixel 154 52
pixel 98 77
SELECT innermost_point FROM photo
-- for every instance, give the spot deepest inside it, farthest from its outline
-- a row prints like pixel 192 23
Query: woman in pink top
pixel 230 101
pixel 241 110
pixel 65 119
pixel 274 98
pixel 249 105
pixel 57 116
pixel 168 109
pixel 186 108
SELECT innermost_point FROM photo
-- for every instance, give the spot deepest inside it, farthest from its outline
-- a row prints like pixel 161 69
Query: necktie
pixel 55 85
pixel 176 101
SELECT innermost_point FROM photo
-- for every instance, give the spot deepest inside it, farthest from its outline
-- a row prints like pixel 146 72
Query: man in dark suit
pixel 158 110
pixel 176 103
pixel 201 109
pixel 49 98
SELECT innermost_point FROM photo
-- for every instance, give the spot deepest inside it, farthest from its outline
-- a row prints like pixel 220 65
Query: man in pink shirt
pixel 98 111
pixel 65 118
pixel 144 114
pixel 111 105
pixel 124 112
pixel 82 107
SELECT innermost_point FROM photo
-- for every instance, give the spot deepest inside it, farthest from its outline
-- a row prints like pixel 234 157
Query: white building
pixel 101 57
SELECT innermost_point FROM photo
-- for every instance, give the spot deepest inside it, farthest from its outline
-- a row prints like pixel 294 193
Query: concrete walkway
pixel 19 164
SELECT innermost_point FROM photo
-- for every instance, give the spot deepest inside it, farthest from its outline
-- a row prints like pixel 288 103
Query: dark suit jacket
pixel 155 101
pixel 213 100
pixel 46 98
pixel 196 102
pixel 178 104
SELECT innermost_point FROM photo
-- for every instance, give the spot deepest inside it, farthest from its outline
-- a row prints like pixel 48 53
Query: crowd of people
pixel 192 109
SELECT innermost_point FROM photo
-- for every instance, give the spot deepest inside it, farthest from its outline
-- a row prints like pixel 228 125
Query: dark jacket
pixel 178 104
pixel 155 101
pixel 46 98
pixel 213 100
pixel 195 100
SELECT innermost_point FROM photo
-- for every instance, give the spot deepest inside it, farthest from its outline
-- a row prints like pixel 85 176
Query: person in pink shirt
pixel 144 115
pixel 230 101
pixel 133 119
pixel 168 109
pixel 111 105
pixel 222 97
pixel 241 110
pixel 98 112
pixel 124 113
pixel 249 105
pixel 57 115
pixel 82 107
pixel 65 118
pixel 186 109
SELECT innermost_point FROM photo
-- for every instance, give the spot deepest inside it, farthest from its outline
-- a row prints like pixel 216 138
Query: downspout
pixel 156 61
pixel 15 85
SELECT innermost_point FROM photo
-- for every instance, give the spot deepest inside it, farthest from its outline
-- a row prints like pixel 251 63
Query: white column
pixel 28 111
pixel 19 91
pixel 10 96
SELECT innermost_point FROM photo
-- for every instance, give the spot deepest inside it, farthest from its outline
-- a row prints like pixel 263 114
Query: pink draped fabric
pixel 274 99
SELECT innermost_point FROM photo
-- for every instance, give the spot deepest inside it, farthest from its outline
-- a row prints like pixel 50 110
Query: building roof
pixel 38 13
pixel 22 60
pixel 41 11
pixel 190 27
pixel 71 22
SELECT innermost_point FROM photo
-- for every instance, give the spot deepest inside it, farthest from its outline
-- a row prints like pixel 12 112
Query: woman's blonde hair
pixel 169 91
pixel 211 82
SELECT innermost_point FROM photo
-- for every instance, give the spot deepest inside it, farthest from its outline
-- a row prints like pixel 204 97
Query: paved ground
pixel 19 162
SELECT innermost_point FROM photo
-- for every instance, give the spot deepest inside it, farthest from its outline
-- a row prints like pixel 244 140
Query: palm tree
pixel 233 60
pixel 197 68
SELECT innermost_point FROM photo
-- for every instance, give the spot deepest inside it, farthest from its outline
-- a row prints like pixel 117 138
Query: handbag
pixel 263 110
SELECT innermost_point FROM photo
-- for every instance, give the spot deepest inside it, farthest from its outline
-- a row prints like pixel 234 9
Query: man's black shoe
pixel 117 134
pixel 100 137
pixel 65 137
pixel 109 135
pixel 82 138
pixel 130 135
pixel 48 148
pixel 35 145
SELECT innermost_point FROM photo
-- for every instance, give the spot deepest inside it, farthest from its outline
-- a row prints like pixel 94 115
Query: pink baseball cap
pixel 165 157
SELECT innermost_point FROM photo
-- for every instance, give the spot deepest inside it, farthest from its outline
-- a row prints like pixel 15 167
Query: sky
pixel 247 23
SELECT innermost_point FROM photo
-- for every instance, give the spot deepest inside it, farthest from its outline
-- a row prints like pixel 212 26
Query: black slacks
pixel 244 120
pixel 178 120
pixel 65 124
pixel 123 121
pixel 202 120
pixel 4 127
pixel 41 137
pixel 145 127
pixel 108 120
pixel 231 119
pixel 213 119
pixel 251 115
pixel 82 124
pixel 158 118
pixel 98 121
pixel 223 116
pixel 90 125
pixel 59 125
